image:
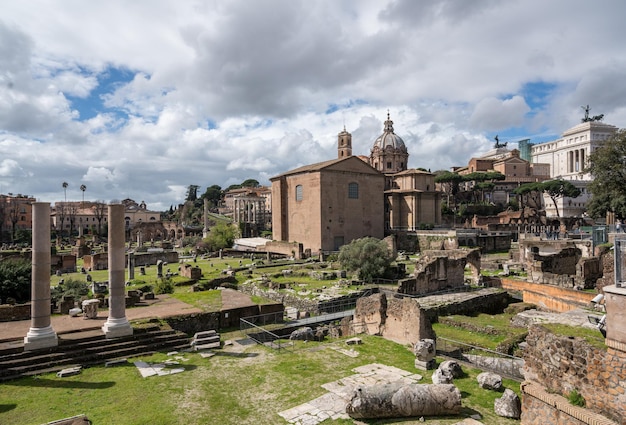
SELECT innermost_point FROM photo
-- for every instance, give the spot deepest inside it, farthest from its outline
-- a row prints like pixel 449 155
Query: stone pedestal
pixel 90 309
pixel 425 352
pixel 116 325
pixel 40 334
pixel 615 303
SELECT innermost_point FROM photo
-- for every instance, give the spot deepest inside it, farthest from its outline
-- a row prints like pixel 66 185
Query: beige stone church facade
pixel 326 205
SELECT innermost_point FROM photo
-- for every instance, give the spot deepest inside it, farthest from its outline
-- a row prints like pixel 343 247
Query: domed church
pixel 326 205
pixel 389 154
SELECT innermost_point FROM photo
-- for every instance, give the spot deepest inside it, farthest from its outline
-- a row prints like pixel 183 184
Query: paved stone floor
pixel 333 404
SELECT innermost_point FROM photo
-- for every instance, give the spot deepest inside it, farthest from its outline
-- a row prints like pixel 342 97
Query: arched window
pixel 353 190
pixel 299 192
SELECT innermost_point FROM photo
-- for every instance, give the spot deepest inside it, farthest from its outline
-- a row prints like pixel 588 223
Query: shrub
pixel 70 288
pixel 575 398
pixel 15 279
pixel 164 286
pixel 369 256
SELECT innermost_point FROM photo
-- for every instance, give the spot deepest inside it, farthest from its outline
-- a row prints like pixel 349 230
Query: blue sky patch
pixel 108 81
pixel 334 107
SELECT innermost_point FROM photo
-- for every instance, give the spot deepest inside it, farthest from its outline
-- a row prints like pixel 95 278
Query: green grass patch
pixel 484 330
pixel 249 388
pixel 592 336
pixel 206 300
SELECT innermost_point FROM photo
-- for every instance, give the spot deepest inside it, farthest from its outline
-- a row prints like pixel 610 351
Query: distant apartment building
pixel 567 157
pixel 86 217
pixel 15 213
pixel 516 171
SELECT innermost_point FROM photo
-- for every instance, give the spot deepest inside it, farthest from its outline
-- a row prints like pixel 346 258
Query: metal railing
pixel 263 336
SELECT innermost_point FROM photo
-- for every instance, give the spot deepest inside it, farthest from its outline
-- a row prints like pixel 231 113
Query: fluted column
pixel 40 334
pixel 116 325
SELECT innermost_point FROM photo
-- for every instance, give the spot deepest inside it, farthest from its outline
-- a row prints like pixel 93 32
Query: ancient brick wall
pixel 563 364
pixel 552 298
pixel 398 320
pixel 607 264
pixel 371 313
pixel 188 271
pixel 490 301
pixel 406 322
pixel 437 270
pixel 542 408
pixel 302 304
pixel 151 258
pixel 192 323
pixel 9 313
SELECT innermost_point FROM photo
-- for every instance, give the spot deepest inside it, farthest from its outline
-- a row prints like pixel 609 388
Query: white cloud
pixel 493 114
pixel 225 91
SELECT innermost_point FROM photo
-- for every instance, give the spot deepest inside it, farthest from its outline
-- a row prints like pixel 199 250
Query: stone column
pixel 131 266
pixel 116 325
pixel 205 219
pixel 40 334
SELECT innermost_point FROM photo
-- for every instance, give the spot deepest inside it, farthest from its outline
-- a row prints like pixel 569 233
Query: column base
pixel 115 328
pixel 38 338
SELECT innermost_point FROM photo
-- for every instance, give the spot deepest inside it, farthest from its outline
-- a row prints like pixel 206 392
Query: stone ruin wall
pixel 399 320
pixel 437 270
pixel 561 364
pixel 540 407
pixel 548 297
pixel 567 268
pixel 370 314
pixel 607 266
pixel 406 322
pixel 101 261
pixel 9 313
pixel 489 301
pixel 302 304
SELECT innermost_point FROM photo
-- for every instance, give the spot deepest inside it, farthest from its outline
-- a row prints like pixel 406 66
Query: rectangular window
pixel 299 192
pixel 353 191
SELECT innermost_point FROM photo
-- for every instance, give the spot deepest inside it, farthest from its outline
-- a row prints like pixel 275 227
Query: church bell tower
pixel 344 144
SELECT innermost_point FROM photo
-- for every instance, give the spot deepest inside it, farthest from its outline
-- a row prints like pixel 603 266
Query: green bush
pixel 15 279
pixel 369 256
pixel 70 288
pixel 164 286
pixel 575 398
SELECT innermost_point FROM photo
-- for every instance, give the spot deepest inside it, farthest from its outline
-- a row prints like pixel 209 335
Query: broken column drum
pixel 116 325
pixel 401 400
pixel 40 334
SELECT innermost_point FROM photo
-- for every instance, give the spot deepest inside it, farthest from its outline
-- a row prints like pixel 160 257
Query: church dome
pixel 389 154
pixel 389 139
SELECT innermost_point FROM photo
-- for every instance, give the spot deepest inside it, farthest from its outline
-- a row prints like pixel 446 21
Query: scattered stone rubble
pixel 489 381
pixel 446 372
pixel 509 405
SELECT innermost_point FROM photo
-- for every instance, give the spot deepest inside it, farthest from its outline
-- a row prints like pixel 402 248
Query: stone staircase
pixel 87 348
pixel 205 340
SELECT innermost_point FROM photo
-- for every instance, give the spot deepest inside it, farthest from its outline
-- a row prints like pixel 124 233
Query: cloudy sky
pixel 140 99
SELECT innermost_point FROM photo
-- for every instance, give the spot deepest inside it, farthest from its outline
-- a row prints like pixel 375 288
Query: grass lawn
pixel 484 330
pixel 245 388
pixel 299 280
